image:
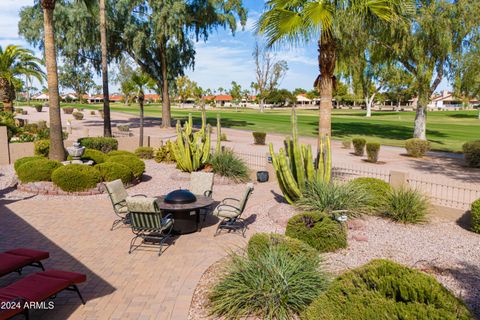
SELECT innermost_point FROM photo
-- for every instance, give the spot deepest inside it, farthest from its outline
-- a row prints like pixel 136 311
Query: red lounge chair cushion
pixel 35 287
pixel 10 312
pixel 11 262
pixel 35 255
pixel 71 277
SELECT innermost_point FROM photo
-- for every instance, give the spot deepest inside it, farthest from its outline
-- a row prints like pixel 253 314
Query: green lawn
pixel 446 130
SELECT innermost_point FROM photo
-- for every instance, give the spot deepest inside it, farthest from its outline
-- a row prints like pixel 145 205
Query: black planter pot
pixel 262 176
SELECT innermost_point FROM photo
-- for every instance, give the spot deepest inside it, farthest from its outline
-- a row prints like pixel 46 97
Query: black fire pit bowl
pixel 180 196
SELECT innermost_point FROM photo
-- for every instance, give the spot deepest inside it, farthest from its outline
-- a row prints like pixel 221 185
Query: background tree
pixel 76 77
pixel 268 73
pixel 185 88
pixel 295 22
pixel 141 82
pixel 428 44
pixel 123 76
pixel 15 62
pixel 399 85
pixel 236 94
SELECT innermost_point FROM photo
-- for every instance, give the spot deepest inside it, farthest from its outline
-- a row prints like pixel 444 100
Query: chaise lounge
pixel 15 260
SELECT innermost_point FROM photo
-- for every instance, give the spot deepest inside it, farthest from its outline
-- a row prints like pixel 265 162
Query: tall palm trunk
pixel 166 116
pixel 107 126
pixel 326 62
pixel 57 150
pixel 141 99
pixel 7 94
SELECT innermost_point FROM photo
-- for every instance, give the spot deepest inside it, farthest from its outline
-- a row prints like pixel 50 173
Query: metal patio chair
pixel 118 195
pixel 201 183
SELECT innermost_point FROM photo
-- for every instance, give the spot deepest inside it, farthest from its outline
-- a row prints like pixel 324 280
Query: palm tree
pixel 16 61
pixel 107 126
pixel 141 81
pixel 57 149
pixel 296 22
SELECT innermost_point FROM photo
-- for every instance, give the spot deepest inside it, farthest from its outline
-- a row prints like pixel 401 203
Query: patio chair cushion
pixel 35 255
pixel 116 190
pixel 10 312
pixel 201 182
pixel 11 262
pixel 71 277
pixel 136 204
pixel 226 213
pixel 35 287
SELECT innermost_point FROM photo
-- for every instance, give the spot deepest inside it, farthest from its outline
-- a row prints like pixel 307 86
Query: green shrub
pixel 42 124
pixel 227 164
pixel 37 170
pixel 136 165
pixel 123 127
pixel 259 137
pixel 346 144
pixel 274 285
pixel 359 146
pixel 144 152
pixel 471 152
pixel 121 153
pixel 417 147
pixel 41 147
pixel 317 230
pixel 92 113
pixel 407 206
pixel 94 155
pixel 18 110
pixel 38 107
pixel 383 289
pixel 329 197
pixel 77 115
pixel 99 143
pixel 112 171
pixel 223 137
pixel 165 153
pixel 21 161
pixel 475 212
pixel 373 149
pixel 67 110
pixel 260 243
pixel 31 127
pixel 377 190
pixel 76 177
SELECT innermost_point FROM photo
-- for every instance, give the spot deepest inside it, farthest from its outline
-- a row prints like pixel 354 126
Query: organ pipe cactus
pixel 192 149
pixel 294 165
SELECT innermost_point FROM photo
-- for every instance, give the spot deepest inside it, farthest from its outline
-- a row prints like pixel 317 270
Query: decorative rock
pixel 356 224
pixel 360 238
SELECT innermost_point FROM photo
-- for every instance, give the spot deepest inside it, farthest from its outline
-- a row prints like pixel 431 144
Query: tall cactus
pixel 295 167
pixel 191 150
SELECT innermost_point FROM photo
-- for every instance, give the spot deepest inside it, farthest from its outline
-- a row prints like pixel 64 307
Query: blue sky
pixel 219 61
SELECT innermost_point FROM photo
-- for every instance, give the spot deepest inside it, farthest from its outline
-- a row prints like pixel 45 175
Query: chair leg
pixel 74 287
pixel 115 223
pixel 132 243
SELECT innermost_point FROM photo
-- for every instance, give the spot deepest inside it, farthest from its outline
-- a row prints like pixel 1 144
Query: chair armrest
pixel 227 207
pixel 226 200
pixel 208 193
pixel 140 195
pixel 168 216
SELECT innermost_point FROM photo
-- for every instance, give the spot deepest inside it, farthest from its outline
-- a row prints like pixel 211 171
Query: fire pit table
pixel 185 208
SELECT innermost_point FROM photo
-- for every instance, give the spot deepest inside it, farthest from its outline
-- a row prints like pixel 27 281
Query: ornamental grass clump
pixel 272 285
pixel 318 230
pixel 76 177
pixel 373 149
pixel 359 146
pixel 165 153
pixel 475 212
pixel 383 289
pixel 227 164
pixel 260 243
pixel 471 152
pixel 407 205
pixel 144 152
pixel 328 197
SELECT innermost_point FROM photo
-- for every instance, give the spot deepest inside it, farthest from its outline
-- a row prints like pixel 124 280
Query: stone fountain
pixel 76 152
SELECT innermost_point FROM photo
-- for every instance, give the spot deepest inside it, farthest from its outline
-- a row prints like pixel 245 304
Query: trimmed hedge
pixel 373 149
pixel 317 230
pixel 37 170
pixel 417 148
pixel 77 115
pixel 121 153
pixel 471 152
pixel 99 143
pixel 259 137
pixel 144 152
pixel 136 165
pixel 76 177
pixel 94 155
pixel 260 243
pixel 475 212
pixel 21 161
pixel 41 147
pixel 67 110
pixel 112 171
pixel 378 191
pixel 383 289
pixel 359 146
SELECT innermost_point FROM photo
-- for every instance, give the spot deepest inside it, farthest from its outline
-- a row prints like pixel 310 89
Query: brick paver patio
pixel 119 286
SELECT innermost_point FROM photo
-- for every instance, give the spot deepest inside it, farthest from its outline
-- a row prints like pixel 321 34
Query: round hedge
pixel 260 243
pixel 136 165
pixel 94 155
pixel 317 230
pixel 112 171
pixel 76 177
pixel 383 289
pixel 37 170
pixel 21 161
pixel 377 190
pixel 121 153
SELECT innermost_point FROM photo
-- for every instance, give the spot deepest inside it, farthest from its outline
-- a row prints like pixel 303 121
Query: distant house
pixel 43 97
pixel 116 98
pixel 303 100
pixel 448 100
pixel 152 97
pixel 69 97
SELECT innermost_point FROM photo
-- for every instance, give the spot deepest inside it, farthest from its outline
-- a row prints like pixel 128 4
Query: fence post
pixel 398 179
pixel 270 169
pixel 4 156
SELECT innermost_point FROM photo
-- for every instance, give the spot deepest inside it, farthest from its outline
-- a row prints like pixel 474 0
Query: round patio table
pixel 187 215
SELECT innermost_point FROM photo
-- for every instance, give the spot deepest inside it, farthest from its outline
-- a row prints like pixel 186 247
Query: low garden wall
pixel 48 188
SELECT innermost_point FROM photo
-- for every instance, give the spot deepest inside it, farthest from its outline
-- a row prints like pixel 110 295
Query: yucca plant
pixel 407 205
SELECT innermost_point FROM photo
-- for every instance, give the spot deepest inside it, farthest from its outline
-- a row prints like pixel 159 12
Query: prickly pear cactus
pixel 295 167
